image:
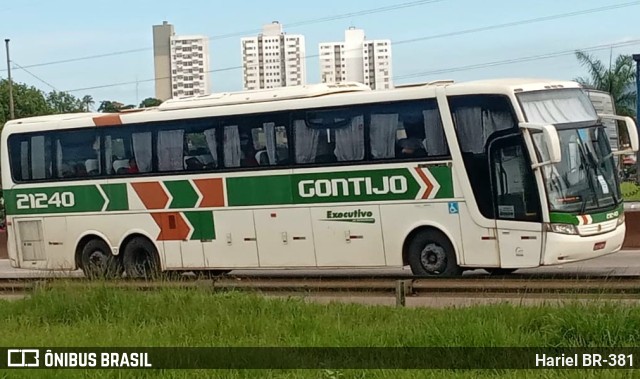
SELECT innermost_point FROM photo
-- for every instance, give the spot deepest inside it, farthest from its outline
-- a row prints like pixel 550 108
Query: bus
pixel 438 177
pixel 603 102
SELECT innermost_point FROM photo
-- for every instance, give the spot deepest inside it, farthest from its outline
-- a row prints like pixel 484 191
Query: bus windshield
pixel 585 179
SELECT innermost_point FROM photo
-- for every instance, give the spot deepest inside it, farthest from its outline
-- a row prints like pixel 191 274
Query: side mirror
pixel 550 150
pixel 632 132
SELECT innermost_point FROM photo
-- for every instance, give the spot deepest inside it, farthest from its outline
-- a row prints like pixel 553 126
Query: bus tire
pixel 97 261
pixel 140 259
pixel 496 271
pixel 432 254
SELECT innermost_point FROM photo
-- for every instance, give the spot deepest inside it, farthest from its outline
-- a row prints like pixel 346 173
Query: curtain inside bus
pixel 350 141
pixel 171 150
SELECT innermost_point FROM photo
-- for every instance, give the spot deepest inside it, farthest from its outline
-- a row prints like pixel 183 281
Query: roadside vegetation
pixel 108 317
pixel 630 191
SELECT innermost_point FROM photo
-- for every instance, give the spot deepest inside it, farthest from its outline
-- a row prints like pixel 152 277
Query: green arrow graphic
pixel 184 196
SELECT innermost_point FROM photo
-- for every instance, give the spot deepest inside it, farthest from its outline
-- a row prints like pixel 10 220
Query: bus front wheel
pixel 140 259
pixel 98 262
pixel 431 254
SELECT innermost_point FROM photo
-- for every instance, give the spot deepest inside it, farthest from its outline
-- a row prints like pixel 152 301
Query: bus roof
pixel 280 99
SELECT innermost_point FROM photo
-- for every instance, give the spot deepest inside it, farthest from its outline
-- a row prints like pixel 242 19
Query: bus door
pixel 517 204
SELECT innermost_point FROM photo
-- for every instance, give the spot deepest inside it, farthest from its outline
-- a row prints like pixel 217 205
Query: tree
pixel 64 102
pixel 150 102
pixel 107 106
pixel 28 101
pixel 87 100
pixel 618 79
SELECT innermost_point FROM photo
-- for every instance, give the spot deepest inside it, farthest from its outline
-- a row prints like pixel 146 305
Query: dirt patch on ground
pixel 632 237
pixel 3 245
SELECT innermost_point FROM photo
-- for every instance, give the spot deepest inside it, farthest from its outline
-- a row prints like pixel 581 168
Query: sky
pixel 431 39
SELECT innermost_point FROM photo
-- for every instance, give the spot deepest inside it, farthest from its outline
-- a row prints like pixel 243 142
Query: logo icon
pixel 23 358
pixel 453 207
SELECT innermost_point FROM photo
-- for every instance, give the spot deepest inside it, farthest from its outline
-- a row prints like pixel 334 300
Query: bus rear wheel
pixel 98 262
pixel 431 254
pixel 140 259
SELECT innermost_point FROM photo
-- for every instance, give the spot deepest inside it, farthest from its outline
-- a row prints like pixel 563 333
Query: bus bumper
pixel 563 248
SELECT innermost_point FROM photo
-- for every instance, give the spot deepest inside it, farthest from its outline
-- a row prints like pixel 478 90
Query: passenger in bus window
pixel 80 170
pixel 248 152
pixel 412 146
pixel 133 167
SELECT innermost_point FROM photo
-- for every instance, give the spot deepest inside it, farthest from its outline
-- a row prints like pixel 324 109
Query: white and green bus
pixel 441 177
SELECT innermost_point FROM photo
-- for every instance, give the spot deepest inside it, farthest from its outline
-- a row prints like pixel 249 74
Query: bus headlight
pixel 620 220
pixel 562 228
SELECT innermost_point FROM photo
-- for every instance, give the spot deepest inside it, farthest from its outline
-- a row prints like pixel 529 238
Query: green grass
pixel 104 317
pixel 630 191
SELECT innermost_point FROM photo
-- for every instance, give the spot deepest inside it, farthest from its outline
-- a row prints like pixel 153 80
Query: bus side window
pixel 407 129
pixel 200 150
pixel 270 143
pixel 77 154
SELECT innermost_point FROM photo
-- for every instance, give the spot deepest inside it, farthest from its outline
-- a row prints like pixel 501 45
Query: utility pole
pixel 11 114
pixel 636 57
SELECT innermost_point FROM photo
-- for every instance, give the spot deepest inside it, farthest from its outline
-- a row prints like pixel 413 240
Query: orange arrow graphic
pixel 426 180
pixel 152 194
pixel 173 226
pixel 212 191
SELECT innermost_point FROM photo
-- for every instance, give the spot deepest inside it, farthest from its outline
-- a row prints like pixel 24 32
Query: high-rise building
pixel 273 59
pixel 162 59
pixel 181 63
pixel 189 66
pixel 357 59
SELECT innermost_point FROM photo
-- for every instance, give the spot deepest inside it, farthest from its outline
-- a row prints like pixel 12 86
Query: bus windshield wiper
pixel 596 164
pixel 590 178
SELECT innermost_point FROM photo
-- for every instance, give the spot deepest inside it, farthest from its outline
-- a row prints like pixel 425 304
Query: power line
pixel 34 75
pixel 246 32
pixel 522 22
pixel 515 60
pixel 412 40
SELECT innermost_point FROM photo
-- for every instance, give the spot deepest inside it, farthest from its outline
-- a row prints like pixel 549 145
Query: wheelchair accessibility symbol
pixel 453 207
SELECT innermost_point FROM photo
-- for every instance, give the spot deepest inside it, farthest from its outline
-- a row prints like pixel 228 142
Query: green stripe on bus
pixel 563 218
pixel 567 218
pixel 443 176
pixel 259 190
pixel 312 188
pixel 202 222
pixel 606 216
pixel 117 195
pixel 184 196
pixel 68 199
pixel 355 186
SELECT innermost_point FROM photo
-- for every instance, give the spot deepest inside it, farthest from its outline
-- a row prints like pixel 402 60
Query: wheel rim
pixel 97 260
pixel 433 258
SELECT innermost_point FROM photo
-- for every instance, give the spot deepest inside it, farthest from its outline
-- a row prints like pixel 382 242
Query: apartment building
pixel 357 59
pixel 273 59
pixel 189 66
pixel 181 63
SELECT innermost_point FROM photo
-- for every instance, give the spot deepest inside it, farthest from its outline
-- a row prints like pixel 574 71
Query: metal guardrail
pixel 610 288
